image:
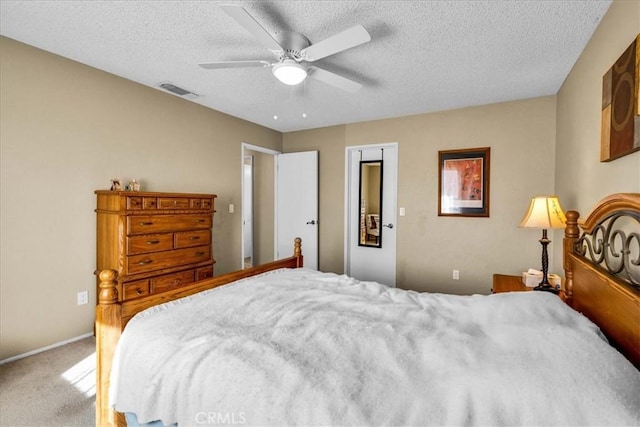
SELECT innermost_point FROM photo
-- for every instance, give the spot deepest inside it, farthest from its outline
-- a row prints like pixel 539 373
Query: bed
pixel 282 345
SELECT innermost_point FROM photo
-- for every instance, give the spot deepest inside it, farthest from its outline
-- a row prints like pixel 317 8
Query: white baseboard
pixel 49 347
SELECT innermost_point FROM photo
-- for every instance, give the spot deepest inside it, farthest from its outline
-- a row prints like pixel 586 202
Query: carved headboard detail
pixel 608 237
pixel 614 245
pixel 602 269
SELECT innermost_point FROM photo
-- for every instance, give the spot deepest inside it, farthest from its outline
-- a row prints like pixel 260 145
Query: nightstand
pixel 506 283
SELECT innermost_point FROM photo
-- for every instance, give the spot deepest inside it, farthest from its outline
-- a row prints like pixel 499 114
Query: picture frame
pixel 463 182
pixel 115 185
pixel 620 128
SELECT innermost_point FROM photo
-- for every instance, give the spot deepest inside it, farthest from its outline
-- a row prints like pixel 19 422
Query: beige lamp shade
pixel 544 212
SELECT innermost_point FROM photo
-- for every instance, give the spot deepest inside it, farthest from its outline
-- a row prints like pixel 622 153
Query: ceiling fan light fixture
pixel 289 72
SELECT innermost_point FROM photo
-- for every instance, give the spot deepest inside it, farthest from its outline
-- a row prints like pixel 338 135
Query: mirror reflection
pixel 370 203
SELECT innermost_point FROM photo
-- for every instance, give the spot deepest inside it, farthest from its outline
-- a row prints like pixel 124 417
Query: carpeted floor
pixel 53 388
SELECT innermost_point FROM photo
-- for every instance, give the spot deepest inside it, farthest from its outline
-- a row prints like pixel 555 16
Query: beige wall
pixel 539 146
pixel 581 179
pixel 66 129
pixel 521 135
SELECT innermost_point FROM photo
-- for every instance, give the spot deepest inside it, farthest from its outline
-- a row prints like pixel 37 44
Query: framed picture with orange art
pixel 463 182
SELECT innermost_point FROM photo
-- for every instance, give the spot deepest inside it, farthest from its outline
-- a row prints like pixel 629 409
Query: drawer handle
pixel 139 291
pixel 146 223
pixel 176 282
pixel 200 253
pixel 145 262
pixel 195 237
pixel 201 220
pixel 153 242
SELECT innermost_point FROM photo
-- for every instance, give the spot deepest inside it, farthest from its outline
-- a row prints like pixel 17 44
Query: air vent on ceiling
pixel 170 87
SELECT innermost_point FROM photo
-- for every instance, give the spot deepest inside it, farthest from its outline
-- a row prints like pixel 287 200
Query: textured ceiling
pixel 424 56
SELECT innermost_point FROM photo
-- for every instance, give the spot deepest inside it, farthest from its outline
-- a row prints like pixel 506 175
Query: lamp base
pixel 547 288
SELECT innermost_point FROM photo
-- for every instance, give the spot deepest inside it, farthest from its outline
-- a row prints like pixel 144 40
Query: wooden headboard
pixel 602 269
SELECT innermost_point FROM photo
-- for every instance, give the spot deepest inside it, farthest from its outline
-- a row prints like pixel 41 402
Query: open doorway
pixel 258 190
pixel 278 189
pixel 247 212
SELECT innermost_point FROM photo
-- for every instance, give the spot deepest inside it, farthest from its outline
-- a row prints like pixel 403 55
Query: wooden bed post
pixel 571 236
pixel 112 316
pixel 108 330
pixel 297 251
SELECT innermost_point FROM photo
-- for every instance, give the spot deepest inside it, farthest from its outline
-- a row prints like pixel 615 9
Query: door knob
pixel 388 225
pixel 312 222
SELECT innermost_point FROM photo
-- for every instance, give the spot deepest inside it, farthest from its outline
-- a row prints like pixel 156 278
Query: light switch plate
pixel 83 297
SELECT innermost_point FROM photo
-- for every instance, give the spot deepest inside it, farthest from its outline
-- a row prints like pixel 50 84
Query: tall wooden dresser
pixel 155 241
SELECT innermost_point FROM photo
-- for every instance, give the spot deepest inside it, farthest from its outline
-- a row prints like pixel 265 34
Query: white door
pixel 297 205
pixel 247 211
pixel 372 262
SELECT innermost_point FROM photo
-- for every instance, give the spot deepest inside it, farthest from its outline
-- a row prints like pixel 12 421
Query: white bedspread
pixel 298 347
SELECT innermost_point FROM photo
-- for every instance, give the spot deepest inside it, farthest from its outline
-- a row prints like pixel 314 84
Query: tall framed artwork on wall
pixel 620 134
pixel 463 182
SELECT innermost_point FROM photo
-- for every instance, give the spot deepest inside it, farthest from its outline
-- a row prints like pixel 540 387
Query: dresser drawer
pixel 136 289
pixel 167 259
pixel 173 203
pixel 149 243
pixel 134 203
pixel 189 239
pixel 204 273
pixel 167 223
pixel 149 203
pixel 170 281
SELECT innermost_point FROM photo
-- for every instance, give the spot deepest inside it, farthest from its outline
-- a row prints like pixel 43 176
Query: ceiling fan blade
pixel 234 64
pixel 334 79
pixel 347 39
pixel 250 24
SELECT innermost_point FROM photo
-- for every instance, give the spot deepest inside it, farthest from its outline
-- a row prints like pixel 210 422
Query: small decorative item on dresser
pixel 133 185
pixel 115 184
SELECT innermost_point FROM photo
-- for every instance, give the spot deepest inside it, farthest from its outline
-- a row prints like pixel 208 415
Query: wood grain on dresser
pixel 155 241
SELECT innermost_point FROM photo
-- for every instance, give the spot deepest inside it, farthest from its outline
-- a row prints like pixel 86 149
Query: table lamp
pixel 544 212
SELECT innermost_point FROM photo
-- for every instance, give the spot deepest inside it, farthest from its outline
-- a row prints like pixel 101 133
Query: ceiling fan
pixel 293 50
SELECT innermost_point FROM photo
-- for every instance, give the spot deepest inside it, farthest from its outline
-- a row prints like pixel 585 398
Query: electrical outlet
pixel 232 208
pixel 456 275
pixel 83 298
